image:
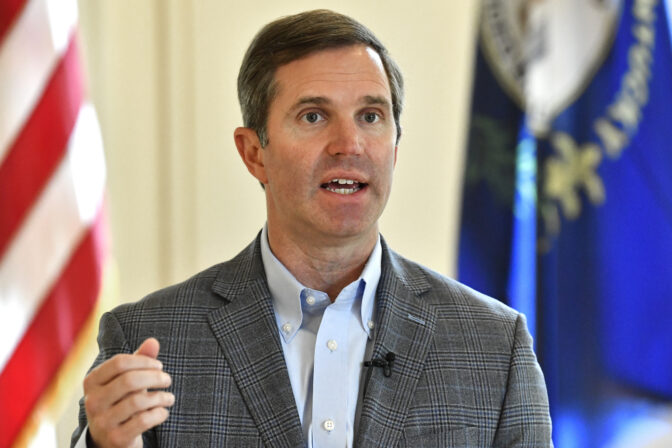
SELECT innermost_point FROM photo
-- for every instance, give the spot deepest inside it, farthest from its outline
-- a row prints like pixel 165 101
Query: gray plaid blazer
pixel 464 375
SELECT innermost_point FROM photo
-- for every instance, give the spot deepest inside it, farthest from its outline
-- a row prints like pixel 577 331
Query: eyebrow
pixel 313 100
pixel 381 100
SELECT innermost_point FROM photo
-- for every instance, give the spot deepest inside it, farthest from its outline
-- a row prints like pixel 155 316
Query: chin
pixel 351 229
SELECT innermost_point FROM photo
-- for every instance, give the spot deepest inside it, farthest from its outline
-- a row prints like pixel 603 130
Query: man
pixel 269 348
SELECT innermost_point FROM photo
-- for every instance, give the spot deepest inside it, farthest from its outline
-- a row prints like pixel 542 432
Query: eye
pixel 370 117
pixel 312 117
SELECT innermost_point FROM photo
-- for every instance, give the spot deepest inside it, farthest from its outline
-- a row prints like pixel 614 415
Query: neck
pixel 329 266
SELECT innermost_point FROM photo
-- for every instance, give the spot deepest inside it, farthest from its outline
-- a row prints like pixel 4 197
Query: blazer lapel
pixel 245 329
pixel 405 327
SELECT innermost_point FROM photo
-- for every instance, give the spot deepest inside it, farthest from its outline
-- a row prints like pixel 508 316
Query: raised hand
pixel 121 399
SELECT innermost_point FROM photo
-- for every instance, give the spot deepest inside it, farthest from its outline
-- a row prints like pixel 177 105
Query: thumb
pixel 149 347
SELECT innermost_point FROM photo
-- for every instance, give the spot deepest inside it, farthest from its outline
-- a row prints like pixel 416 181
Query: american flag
pixel 52 183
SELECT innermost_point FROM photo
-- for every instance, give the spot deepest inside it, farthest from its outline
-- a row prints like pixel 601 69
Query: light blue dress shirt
pixel 324 345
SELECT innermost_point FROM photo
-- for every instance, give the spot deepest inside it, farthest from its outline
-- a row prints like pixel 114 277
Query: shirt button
pixel 310 300
pixel 329 425
pixel 287 327
pixel 370 324
pixel 332 345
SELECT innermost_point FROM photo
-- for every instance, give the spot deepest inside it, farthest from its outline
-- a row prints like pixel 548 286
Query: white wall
pixel 162 74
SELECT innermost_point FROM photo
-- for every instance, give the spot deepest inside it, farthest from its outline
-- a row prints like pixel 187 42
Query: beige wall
pixel 162 76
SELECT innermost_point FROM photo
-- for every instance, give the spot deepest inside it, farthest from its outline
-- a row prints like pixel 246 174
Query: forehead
pixel 353 70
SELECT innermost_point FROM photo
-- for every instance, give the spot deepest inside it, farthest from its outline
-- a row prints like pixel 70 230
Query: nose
pixel 345 138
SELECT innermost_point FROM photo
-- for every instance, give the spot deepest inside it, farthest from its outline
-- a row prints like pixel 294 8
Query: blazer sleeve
pixel 111 341
pixel 525 419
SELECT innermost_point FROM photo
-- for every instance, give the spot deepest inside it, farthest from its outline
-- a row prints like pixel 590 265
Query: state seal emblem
pixel 545 52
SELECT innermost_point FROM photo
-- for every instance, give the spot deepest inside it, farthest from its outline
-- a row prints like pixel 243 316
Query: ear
pixel 251 152
pixel 396 150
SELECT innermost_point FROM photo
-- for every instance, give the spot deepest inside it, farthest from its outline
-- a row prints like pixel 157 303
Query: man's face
pixel 327 168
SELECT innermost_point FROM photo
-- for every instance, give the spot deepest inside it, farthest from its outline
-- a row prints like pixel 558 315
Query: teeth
pixel 353 186
pixel 344 190
pixel 343 181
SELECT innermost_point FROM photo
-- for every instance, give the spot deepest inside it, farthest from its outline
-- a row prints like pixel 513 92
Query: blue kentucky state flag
pixel 567 207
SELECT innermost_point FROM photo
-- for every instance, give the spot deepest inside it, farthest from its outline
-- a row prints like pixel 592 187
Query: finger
pixel 138 402
pixel 135 381
pixel 144 421
pixel 99 399
pixel 125 434
pixel 149 348
pixel 113 367
pixel 143 358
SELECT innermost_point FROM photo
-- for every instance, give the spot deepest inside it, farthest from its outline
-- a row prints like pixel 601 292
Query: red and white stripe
pixel 52 177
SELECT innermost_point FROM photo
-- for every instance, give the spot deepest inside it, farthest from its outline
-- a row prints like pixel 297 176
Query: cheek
pixel 390 160
pixel 288 168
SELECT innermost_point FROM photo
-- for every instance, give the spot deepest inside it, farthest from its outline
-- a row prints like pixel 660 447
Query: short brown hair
pixel 294 37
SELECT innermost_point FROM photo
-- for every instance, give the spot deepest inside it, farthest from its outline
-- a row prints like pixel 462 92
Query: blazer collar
pixel 246 331
pixel 405 326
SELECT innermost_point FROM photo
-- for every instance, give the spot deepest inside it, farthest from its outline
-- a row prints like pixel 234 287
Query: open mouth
pixel 343 186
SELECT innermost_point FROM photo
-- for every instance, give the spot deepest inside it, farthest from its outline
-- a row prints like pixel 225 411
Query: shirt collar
pixel 371 277
pixel 287 292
